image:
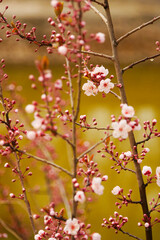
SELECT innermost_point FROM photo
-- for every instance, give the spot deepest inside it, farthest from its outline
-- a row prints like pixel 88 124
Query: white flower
pixel 116 190
pixel 146 150
pixel 134 125
pixel 146 170
pixel 30 108
pixel 54 3
pixel 128 154
pixel 121 129
pixel 96 236
pixel 37 123
pixel 158 175
pixel 121 156
pixel 72 226
pixel 146 225
pixel 96 185
pixel 105 85
pixel 51 238
pixel 99 70
pixel 100 37
pixel 89 88
pixel 80 197
pixel 127 111
pixel 58 84
pixel 37 237
pixel 2 142
pixel 62 50
pixel 31 135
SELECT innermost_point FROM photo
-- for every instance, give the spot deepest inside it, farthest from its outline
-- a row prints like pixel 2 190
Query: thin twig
pixel 99 3
pixel 130 235
pixel 94 128
pixel 47 162
pixel 145 140
pixel 138 28
pixel 99 13
pixel 25 194
pixel 92 147
pixel 116 95
pixel 140 61
pixel 98 54
pixel 10 230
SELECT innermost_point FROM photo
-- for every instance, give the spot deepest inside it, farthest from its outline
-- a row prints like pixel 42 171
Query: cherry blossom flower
pixel 146 225
pixel 146 170
pixel 127 111
pixel 62 50
pixel 96 185
pixel 80 197
pixel 96 236
pixel 37 237
pixel 100 37
pixel 30 108
pixel 135 126
pixel 54 3
pixel 31 135
pixel 128 154
pixel 121 129
pixel 72 226
pixel 99 71
pixel 158 175
pixel 89 88
pixel 116 190
pixel 105 85
pixel 37 123
pixel 51 238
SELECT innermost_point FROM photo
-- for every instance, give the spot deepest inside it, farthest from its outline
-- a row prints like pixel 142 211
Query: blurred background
pixel 143 91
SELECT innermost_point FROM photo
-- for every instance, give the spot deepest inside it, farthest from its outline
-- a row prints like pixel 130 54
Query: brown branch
pixel 138 28
pixel 10 230
pixel 98 54
pixel 99 3
pixel 25 194
pixel 46 162
pixel 145 140
pixel 140 61
pixel 130 235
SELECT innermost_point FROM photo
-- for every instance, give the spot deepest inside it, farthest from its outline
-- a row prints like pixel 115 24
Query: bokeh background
pixel 143 91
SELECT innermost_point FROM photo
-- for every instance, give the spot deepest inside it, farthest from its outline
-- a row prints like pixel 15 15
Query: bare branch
pixel 117 96
pixel 10 230
pixel 145 140
pixel 138 28
pixel 140 61
pixel 94 128
pixel 93 147
pixel 47 162
pixel 130 235
pixel 98 54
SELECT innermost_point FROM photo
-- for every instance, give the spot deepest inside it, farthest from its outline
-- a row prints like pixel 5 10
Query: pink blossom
pixel 89 88
pixel 121 129
pixel 116 190
pixel 31 135
pixel 105 85
pixel 158 175
pixel 96 185
pixel 127 111
pixel 37 123
pixel 136 126
pixel 100 37
pixel 72 226
pixel 37 237
pixel 51 238
pixel 62 50
pixel 80 197
pixel 128 154
pixel 96 236
pixel 54 3
pixel 146 170
pixel 146 225
pixel 2 142
pixel 30 108
pixel 58 84
pixel 99 71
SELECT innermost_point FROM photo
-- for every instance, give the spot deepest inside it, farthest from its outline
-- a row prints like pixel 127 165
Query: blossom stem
pixel 130 235
pixel 98 54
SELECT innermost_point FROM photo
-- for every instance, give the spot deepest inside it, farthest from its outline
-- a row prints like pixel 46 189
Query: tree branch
pixel 130 235
pixel 98 54
pixel 137 29
pixel 10 230
pixel 140 61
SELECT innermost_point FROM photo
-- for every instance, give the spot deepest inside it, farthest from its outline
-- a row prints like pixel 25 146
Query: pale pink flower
pixel 128 154
pixel 121 129
pixel 31 135
pixel 62 50
pixel 134 125
pixel 96 236
pixel 89 88
pixel 37 123
pixel 96 185
pixel 146 150
pixel 58 84
pixel 105 85
pixel 2 142
pixel 99 70
pixel 72 226
pixel 158 175
pixel 100 37
pixel 146 225
pixel 80 197
pixel 116 190
pixel 48 73
pixel 37 237
pixel 42 233
pixel 30 108
pixel 146 170
pixel 127 111
pixel 51 238
pixel 54 3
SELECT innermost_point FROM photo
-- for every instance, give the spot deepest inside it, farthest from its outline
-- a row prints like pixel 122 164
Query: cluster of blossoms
pixel 98 81
pixel 116 222
pixel 147 171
